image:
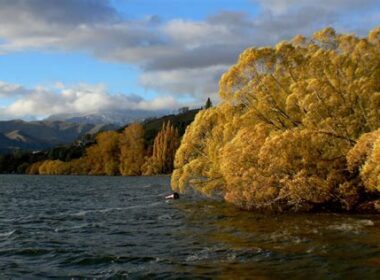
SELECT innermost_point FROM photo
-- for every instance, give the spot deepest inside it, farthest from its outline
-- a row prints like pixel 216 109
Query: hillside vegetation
pixel 297 128
pixel 136 149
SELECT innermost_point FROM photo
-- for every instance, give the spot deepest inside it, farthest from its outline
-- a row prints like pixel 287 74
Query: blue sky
pixel 186 9
pixel 33 68
pixel 79 56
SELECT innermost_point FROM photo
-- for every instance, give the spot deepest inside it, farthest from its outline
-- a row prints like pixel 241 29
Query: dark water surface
pixel 118 227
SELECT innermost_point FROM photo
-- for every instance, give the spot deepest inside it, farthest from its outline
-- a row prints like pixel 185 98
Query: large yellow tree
pixel 132 150
pixel 104 157
pixel 164 148
pixel 288 118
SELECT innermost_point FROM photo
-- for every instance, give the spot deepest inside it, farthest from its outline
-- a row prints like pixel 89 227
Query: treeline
pixel 18 161
pixel 298 128
pixel 21 161
pixel 123 153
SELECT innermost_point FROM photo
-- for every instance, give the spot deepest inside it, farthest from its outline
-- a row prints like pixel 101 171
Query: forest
pixel 298 128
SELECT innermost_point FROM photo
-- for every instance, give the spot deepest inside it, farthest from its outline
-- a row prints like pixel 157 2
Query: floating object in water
pixel 172 196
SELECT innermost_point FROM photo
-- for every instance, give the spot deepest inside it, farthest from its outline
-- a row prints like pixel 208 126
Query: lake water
pixel 119 227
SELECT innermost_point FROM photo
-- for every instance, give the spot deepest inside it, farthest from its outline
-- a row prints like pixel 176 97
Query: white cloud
pixel 201 82
pixel 8 90
pixel 82 98
pixel 194 34
pixel 285 6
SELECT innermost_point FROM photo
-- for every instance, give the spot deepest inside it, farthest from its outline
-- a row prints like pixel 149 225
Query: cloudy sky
pixel 77 56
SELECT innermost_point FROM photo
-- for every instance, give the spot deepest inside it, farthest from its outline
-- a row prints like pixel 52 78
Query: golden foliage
pixel 360 153
pixel 132 150
pixel 53 167
pixel 289 116
pixel 33 169
pixel 365 159
pixel 164 148
pixel 119 154
pixel 104 157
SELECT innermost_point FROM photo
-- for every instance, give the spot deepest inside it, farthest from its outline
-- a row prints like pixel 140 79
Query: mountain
pixel 37 135
pixel 117 117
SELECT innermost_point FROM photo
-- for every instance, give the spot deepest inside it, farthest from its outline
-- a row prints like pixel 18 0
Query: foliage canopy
pixel 297 128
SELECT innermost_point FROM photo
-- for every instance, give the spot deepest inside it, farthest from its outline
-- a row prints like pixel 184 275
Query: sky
pixel 84 56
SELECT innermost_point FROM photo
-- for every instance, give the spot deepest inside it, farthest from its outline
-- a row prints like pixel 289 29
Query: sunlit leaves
pixel 289 116
pixel 164 148
pixel 132 150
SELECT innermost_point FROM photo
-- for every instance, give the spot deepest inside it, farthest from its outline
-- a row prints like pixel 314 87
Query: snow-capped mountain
pixel 115 117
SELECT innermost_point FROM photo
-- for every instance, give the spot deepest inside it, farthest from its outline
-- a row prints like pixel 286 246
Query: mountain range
pixel 38 135
pixel 116 117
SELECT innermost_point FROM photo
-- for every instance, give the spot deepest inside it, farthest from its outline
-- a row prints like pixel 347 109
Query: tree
pixel 132 150
pixel 164 148
pixel 104 157
pixel 364 158
pixel 288 118
pixel 208 103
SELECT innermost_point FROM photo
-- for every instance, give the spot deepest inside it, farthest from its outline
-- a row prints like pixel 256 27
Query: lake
pixel 75 227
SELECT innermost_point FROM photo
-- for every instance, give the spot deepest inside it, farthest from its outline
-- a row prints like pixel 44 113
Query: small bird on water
pixel 172 196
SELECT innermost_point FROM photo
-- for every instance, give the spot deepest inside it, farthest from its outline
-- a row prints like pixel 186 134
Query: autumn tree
pixel 102 158
pixel 132 150
pixel 52 167
pixel 288 118
pixel 164 148
pixel 364 158
pixel 33 169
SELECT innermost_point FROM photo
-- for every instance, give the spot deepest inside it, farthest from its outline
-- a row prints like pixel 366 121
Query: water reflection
pixel 246 244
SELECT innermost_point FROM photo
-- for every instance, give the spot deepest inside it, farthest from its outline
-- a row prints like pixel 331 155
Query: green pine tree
pixel 208 103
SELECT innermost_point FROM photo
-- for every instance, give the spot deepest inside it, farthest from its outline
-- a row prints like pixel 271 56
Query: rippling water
pixel 119 227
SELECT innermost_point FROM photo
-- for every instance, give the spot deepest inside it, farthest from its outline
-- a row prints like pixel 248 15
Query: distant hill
pixel 118 117
pixel 38 135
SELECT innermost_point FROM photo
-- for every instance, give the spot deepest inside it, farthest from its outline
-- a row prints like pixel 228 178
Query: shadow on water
pixel 245 244
pixel 117 227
